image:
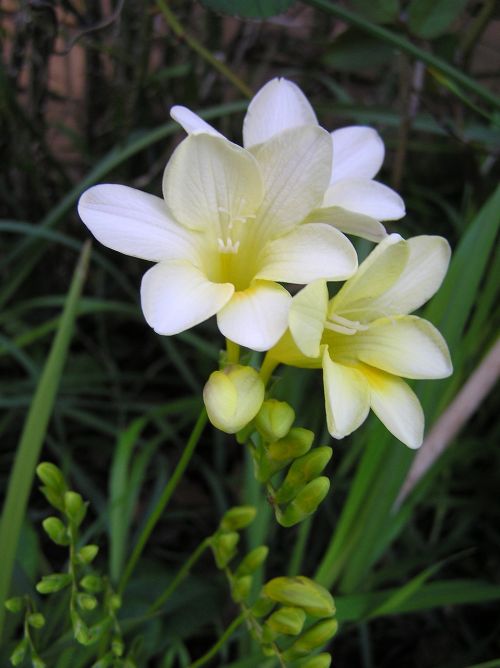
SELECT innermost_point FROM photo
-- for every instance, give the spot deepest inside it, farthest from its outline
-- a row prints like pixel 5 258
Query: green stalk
pixel 164 499
pixel 187 566
pixel 405 45
pixel 34 431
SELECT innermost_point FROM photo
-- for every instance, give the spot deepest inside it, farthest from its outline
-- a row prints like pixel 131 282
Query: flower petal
pixel 307 316
pixel 209 181
pixel 176 296
pixel 347 398
pixel 307 253
pixel 358 152
pixel 191 122
pixel 256 317
pixel 369 198
pixel 348 222
pixel 135 223
pixel 295 166
pixel 396 405
pixel 278 106
pixel 424 272
pixel 356 299
pixel 405 346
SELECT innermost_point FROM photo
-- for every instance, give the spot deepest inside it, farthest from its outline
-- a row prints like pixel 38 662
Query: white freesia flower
pixel 353 202
pixel 365 341
pixel 230 227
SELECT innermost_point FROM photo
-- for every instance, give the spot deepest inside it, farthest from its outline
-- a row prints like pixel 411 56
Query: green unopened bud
pixel 275 419
pixel 303 470
pixel 238 517
pixel 56 530
pixel 241 587
pixel 317 636
pixel 117 646
pixel 320 661
pixel 36 620
pixel 51 476
pixel 115 602
pixel 106 661
pixel 297 442
pixel 92 583
pixel 253 560
pixel 287 621
pixel 224 547
pixel 268 650
pixel 262 607
pixel 54 498
pixel 86 601
pixel 80 630
pixel 52 583
pixel 14 604
pixel 87 554
pixel 37 662
pixel 233 397
pixel 301 592
pixel 75 507
pixel 305 503
pixel 19 652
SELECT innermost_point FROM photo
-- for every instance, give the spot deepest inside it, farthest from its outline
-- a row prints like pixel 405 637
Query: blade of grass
pixel 33 433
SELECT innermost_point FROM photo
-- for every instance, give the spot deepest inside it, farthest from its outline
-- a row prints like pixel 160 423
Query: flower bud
pixel 51 476
pixel 117 646
pixel 305 503
pixel 37 662
pixel 317 636
pixel 252 561
pixel 287 621
pixel 75 507
pixel 319 661
pixel 80 630
pixel 238 517
pixel 241 588
pixel 233 397
pixel 86 601
pixel 92 583
pixel 297 442
pixel 14 604
pixel 52 583
pixel 36 620
pixel 56 530
pixel 115 602
pixel 301 592
pixel 87 554
pixel 224 547
pixel 303 470
pixel 274 419
pixel 19 652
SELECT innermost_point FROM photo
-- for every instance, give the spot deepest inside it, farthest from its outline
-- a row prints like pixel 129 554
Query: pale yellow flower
pixel 364 340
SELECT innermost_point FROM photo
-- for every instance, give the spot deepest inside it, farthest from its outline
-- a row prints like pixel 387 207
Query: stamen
pixel 336 323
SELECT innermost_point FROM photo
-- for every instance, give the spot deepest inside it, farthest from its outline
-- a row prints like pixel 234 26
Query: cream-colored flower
pixel 365 341
pixel 353 202
pixel 229 229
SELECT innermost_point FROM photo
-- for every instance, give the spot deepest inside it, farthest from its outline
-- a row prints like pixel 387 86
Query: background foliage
pixel 85 93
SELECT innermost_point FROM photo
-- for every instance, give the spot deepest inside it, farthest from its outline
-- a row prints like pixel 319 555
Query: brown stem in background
pixel 453 419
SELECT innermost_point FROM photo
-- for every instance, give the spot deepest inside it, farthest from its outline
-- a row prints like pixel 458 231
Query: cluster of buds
pixel 292 618
pixel 90 593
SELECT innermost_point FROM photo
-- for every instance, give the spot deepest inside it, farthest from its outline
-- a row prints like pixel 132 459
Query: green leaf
pixel 378 11
pixel 431 18
pixel 249 9
pixel 34 431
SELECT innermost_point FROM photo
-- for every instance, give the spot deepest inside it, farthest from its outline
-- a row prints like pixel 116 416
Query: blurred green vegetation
pixel 85 91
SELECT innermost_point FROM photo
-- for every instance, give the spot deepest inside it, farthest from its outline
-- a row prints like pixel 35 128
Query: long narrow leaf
pixel 34 430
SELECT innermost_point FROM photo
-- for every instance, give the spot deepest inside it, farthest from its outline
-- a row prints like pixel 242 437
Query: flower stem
pixel 224 637
pixel 164 498
pixel 233 352
pixel 218 65
pixel 268 366
pixel 180 576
